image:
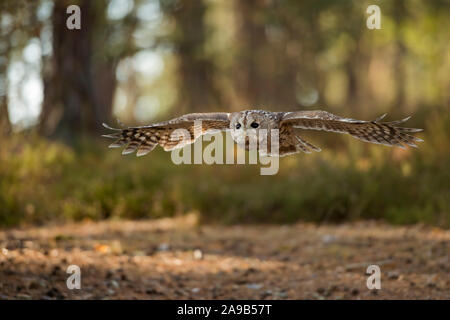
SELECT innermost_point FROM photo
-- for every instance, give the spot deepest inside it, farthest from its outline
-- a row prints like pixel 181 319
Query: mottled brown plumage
pixel 242 124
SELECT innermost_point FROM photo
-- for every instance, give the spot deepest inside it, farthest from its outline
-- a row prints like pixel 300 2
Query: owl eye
pixel 254 125
pixel 238 125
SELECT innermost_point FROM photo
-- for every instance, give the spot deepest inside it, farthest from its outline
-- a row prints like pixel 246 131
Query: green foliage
pixel 42 181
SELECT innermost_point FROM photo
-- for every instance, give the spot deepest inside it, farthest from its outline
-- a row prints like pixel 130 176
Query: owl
pixel 242 125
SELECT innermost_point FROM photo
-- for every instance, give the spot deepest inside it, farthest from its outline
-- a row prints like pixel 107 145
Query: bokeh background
pixel 148 60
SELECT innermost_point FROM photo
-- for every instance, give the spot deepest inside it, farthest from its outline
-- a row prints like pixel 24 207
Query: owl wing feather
pixel 144 139
pixel 385 133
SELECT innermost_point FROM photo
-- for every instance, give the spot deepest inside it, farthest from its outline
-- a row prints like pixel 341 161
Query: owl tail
pixel 296 144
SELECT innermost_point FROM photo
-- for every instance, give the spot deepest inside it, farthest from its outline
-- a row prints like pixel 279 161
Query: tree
pixel 71 105
pixel 79 77
pixel 19 24
pixel 399 13
pixel 196 71
pixel 5 125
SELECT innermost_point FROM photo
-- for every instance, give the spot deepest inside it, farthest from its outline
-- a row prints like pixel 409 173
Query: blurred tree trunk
pixel 250 80
pixel 399 57
pixel 356 67
pixel 77 92
pixel 5 124
pixel 198 92
pixel 352 86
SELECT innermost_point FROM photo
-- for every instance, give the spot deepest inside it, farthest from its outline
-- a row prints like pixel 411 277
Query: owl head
pixel 246 125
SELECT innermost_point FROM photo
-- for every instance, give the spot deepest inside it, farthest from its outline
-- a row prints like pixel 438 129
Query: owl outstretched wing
pixel 172 134
pixel 386 133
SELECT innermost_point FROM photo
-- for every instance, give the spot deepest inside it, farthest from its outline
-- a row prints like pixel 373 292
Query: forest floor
pixel 175 258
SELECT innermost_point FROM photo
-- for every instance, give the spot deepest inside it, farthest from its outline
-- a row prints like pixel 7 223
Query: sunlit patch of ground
pixel 176 258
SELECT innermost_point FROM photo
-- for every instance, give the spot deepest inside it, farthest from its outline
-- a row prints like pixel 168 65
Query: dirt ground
pixel 177 259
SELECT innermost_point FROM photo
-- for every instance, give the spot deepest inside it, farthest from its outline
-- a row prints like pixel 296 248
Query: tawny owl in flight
pixel 144 139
